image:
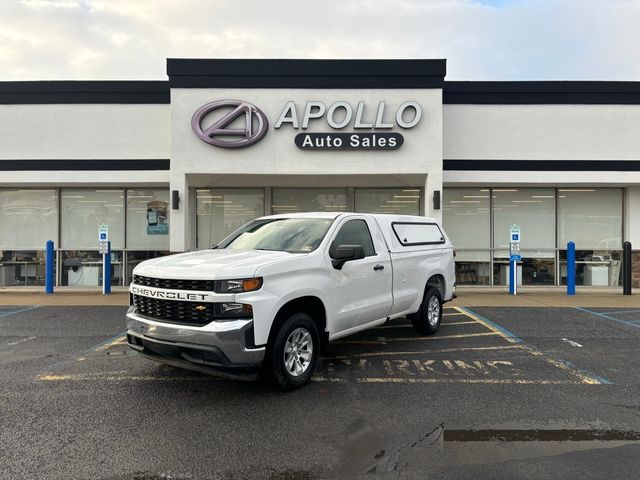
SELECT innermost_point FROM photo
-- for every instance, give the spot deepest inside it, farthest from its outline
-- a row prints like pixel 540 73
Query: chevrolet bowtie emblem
pixel 200 308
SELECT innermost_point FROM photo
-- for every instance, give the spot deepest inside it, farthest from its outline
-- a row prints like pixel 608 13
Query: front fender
pixel 277 291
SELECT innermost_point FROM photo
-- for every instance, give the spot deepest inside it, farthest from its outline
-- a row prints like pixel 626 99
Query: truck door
pixel 362 289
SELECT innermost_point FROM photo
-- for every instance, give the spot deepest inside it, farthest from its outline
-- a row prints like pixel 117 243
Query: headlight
pixel 232 311
pixel 238 286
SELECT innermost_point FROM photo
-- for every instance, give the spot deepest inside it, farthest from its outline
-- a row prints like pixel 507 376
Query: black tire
pixel 423 320
pixel 275 369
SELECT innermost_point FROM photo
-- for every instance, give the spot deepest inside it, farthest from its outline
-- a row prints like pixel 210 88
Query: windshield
pixel 293 235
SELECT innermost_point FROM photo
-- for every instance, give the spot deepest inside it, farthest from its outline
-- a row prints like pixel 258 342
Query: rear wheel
pixel 427 320
pixel 293 352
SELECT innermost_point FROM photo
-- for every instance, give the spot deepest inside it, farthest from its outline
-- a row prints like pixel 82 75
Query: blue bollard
pixel 106 271
pixel 571 268
pixel 513 276
pixel 49 270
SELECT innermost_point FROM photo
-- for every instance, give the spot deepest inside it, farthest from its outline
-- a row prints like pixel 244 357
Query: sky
pixel 481 39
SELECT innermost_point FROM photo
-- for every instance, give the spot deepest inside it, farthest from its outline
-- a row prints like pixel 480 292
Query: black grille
pixel 200 285
pixel 175 311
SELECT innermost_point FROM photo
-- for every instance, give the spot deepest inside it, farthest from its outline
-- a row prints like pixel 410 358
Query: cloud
pixel 482 39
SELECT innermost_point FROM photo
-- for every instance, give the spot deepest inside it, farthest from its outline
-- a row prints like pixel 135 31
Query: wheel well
pixel 310 305
pixel 438 282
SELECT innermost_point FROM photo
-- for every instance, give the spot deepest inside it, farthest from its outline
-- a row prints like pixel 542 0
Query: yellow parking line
pixel 588 379
pixel 402 325
pixel 484 324
pixel 520 381
pixel 408 339
pixel 118 377
pixel 115 377
pixel 115 342
pixel 448 314
pixel 422 352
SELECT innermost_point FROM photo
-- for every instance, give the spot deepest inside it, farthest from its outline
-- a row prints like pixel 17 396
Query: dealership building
pixel 177 165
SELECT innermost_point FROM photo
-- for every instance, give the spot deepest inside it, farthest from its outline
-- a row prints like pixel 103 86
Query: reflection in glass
pixel 536 268
pixel 148 219
pixel 83 268
pixel 83 210
pixel 533 209
pixel 473 272
pixel 590 217
pixel 466 210
pixel 219 212
pixel 594 268
pixel 134 258
pixel 22 268
pixel 402 201
pixel 28 218
pixel 291 200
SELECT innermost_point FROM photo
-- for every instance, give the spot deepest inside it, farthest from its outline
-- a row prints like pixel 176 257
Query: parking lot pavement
pixel 553 391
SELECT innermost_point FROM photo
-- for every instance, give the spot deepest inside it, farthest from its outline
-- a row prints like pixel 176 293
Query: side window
pixel 417 233
pixel 355 232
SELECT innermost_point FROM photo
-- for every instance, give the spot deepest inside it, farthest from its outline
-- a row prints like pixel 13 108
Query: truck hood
pixel 211 264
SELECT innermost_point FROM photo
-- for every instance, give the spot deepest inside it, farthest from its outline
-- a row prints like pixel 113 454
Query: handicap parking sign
pixel 103 233
pixel 514 233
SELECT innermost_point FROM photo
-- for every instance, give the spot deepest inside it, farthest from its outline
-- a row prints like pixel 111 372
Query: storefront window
pixel 291 200
pixel 221 211
pixel 466 210
pixel 533 209
pixel 82 268
pixel 473 267
pixel 148 219
pixel 28 218
pixel 134 258
pixel 22 268
pixel 83 210
pixel 601 268
pixel 536 268
pixel 388 200
pixel 590 217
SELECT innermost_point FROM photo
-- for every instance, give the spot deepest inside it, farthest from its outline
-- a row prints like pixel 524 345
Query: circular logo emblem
pixel 239 124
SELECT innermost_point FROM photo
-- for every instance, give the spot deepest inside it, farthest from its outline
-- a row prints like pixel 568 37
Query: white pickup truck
pixel 270 296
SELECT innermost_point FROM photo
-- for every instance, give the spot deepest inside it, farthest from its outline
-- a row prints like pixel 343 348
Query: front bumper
pixel 220 348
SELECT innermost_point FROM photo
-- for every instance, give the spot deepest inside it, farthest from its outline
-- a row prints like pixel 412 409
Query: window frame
pixel 366 224
pixel 413 244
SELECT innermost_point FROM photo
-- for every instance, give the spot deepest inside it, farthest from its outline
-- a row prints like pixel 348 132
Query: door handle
pixel 379 267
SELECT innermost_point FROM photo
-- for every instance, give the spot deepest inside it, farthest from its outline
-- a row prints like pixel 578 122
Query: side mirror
pixel 345 253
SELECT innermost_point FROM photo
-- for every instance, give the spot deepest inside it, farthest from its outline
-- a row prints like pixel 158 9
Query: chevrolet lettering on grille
pixel 167 294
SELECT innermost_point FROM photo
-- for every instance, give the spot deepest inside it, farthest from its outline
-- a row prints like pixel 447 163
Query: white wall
pixel 542 132
pixel 108 131
pixel 70 178
pixel 277 154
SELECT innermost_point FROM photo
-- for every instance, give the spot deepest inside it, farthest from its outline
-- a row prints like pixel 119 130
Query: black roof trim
pixel 543 92
pixel 295 73
pixel 543 165
pixel 85 165
pixel 44 92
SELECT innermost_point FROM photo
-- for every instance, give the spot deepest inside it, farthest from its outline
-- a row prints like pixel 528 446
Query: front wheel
pixel 293 352
pixel 427 320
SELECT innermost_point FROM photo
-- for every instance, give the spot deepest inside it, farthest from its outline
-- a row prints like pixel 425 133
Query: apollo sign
pixel 219 133
pixel 236 124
